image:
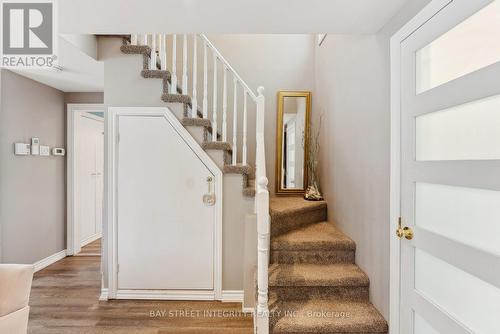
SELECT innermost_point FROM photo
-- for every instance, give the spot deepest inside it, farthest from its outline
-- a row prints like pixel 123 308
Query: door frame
pixel 397 39
pixel 73 245
pixel 110 198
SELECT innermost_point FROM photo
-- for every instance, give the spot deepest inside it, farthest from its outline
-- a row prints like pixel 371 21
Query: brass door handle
pixel 406 231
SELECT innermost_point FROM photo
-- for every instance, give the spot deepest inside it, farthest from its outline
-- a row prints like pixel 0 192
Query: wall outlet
pixel 44 151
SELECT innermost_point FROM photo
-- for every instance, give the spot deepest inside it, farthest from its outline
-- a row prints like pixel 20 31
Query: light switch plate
pixel 44 151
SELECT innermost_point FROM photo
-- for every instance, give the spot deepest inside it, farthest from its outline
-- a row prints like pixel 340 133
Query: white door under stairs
pixel 166 235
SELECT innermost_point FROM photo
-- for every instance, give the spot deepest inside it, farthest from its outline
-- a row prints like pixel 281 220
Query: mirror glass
pixel 293 140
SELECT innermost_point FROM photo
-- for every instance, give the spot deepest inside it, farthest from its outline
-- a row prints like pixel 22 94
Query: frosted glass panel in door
pixel 468 47
pixel 422 326
pixel 470 216
pixel 458 293
pixel 469 131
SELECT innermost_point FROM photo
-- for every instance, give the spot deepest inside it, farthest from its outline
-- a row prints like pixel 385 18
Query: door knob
pixel 406 231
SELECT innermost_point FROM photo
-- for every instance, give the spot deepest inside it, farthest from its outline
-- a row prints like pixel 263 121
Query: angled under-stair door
pixel 167 238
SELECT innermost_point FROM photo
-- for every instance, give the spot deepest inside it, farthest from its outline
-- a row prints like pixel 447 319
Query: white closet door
pixel 89 158
pixel 99 184
pixel 450 171
pixel 165 232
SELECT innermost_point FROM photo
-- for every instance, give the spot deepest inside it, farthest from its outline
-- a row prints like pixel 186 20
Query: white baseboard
pixel 104 294
pixel 165 294
pixel 247 309
pixel 39 265
pixel 88 240
pixel 232 296
pixel 227 295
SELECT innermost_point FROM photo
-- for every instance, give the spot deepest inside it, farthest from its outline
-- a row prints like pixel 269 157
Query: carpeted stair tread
pixel 135 49
pixel 327 317
pixel 176 98
pixel 279 206
pixel 216 145
pixel 319 236
pixel 238 169
pixel 249 190
pixel 190 121
pixel 306 274
pixel 156 74
pixel 291 213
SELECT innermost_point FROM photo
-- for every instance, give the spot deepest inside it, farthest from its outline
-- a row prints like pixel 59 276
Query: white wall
pixel 235 16
pixel 277 62
pixel 86 43
pixel 352 91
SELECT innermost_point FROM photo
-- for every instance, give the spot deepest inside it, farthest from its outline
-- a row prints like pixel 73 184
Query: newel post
pixel 263 226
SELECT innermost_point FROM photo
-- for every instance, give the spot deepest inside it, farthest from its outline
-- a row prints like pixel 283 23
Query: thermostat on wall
pixel 58 151
pixel 22 149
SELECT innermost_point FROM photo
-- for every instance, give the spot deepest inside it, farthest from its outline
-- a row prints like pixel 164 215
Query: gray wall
pixel 86 97
pixel 32 188
pixel 353 93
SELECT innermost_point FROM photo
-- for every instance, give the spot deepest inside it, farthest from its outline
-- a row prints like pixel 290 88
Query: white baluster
pixel 194 101
pixel 205 80
pixel 152 58
pixel 133 39
pixel 163 52
pixel 224 106
pixel 244 152
pixel 145 39
pixel 214 112
pixel 235 120
pixel 184 66
pixel 173 85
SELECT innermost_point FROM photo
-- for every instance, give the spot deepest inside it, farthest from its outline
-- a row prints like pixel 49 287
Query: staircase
pixel 314 285
pixel 307 282
pixel 202 120
pixel 193 117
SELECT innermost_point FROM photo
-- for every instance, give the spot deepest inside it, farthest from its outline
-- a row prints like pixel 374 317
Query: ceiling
pixel 80 72
pixel 226 16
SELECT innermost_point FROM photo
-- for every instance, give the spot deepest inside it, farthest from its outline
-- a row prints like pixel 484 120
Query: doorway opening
pixel 85 179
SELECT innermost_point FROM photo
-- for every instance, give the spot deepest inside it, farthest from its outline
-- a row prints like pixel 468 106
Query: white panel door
pixel 165 234
pixel 89 169
pixel 450 171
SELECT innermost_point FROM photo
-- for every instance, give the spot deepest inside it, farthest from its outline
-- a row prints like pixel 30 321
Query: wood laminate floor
pixel 91 249
pixel 64 299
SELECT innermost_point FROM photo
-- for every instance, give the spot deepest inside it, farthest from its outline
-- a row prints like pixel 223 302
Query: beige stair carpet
pixel 314 284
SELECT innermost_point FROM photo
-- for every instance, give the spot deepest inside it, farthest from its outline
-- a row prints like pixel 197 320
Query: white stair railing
pixel 262 193
pixel 263 220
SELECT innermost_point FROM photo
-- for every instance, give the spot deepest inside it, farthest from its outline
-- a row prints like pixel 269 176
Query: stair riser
pixel 316 257
pixel 349 293
pixel 284 223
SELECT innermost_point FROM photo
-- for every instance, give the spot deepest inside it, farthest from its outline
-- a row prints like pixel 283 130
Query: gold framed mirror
pixel 293 125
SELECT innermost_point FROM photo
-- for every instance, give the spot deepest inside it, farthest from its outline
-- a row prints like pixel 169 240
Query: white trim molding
pixel 235 296
pixel 395 158
pixel 90 239
pixel 111 208
pixel 165 294
pixel 43 263
pixel 104 294
pixel 73 244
